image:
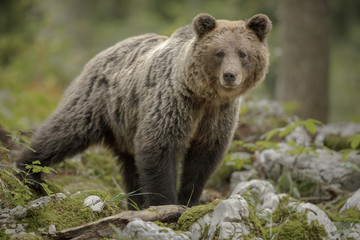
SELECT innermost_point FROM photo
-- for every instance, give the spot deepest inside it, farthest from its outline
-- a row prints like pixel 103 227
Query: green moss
pixel 290 225
pixel 298 229
pixel 193 214
pixel 12 191
pixel 350 215
pixel 68 213
pixel 339 204
pixel 216 233
pixel 3 235
pixel 337 143
pixel 254 224
pixel 204 232
pixel 160 224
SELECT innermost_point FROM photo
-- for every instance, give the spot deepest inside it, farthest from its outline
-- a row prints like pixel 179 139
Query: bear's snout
pixel 230 80
pixel 229 77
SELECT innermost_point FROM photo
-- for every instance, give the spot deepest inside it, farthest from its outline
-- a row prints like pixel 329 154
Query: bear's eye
pixel 220 54
pixel 242 54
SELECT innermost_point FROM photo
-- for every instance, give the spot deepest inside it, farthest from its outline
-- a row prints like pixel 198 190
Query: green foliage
pixel 19 138
pixel 309 124
pixel 354 141
pixel 12 190
pixel 233 161
pixel 3 235
pixel 16 191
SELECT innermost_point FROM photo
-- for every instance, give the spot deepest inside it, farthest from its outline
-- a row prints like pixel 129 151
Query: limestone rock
pixel 353 201
pixel 91 200
pixel 97 207
pixel 323 167
pixel 140 229
pixel 256 187
pixel 241 176
pixel 60 196
pixel 314 213
pixel 339 129
pixel 52 229
pixel 39 203
pixel 229 220
pixel 19 212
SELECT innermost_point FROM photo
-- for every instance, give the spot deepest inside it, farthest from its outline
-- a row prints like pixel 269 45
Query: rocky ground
pixel 300 181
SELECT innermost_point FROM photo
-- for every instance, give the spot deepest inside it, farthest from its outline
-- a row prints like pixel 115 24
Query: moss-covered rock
pixel 337 143
pixel 254 224
pixel 289 224
pixel 193 214
pixel 68 213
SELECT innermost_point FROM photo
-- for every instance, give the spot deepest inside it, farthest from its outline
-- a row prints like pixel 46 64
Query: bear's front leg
pixel 206 151
pixel 157 142
pixel 157 169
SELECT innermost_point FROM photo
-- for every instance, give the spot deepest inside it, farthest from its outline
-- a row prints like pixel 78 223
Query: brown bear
pixel 153 99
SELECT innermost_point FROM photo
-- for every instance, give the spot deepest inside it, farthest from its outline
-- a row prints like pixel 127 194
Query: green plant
pixel 18 138
pixel 12 189
pixel 35 168
pixel 192 191
pixel 354 144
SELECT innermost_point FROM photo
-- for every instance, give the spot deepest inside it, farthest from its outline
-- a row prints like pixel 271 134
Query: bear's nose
pixel 229 77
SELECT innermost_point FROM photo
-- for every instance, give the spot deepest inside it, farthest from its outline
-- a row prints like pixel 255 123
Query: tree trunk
pixel 304 62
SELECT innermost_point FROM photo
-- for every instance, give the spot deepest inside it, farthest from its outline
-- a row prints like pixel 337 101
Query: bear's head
pixel 232 56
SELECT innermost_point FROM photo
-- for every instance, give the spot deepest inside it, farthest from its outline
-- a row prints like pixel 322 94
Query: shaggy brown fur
pixel 152 98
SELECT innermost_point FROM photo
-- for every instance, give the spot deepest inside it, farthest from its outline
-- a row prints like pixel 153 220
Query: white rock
pixel 256 187
pixel 97 207
pixel 229 216
pixel 324 168
pixel 94 202
pixel 353 201
pixel 10 231
pixel 91 200
pixel 353 232
pixel 269 202
pixel 315 213
pixel 241 176
pixel 197 228
pixel 19 212
pixel 39 203
pixel 339 129
pixel 140 229
pixel 60 196
pixel 52 229
pixel 229 219
pixel 300 136
pixel 20 228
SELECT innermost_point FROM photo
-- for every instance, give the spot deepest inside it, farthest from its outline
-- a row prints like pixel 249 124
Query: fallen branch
pixel 101 228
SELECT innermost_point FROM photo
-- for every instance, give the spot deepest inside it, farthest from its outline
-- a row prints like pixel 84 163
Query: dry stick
pixel 101 228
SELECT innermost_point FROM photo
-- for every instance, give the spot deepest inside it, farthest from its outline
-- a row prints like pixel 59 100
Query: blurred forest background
pixel 45 43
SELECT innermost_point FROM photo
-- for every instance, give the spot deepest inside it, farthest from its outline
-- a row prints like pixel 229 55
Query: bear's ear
pixel 203 23
pixel 260 24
